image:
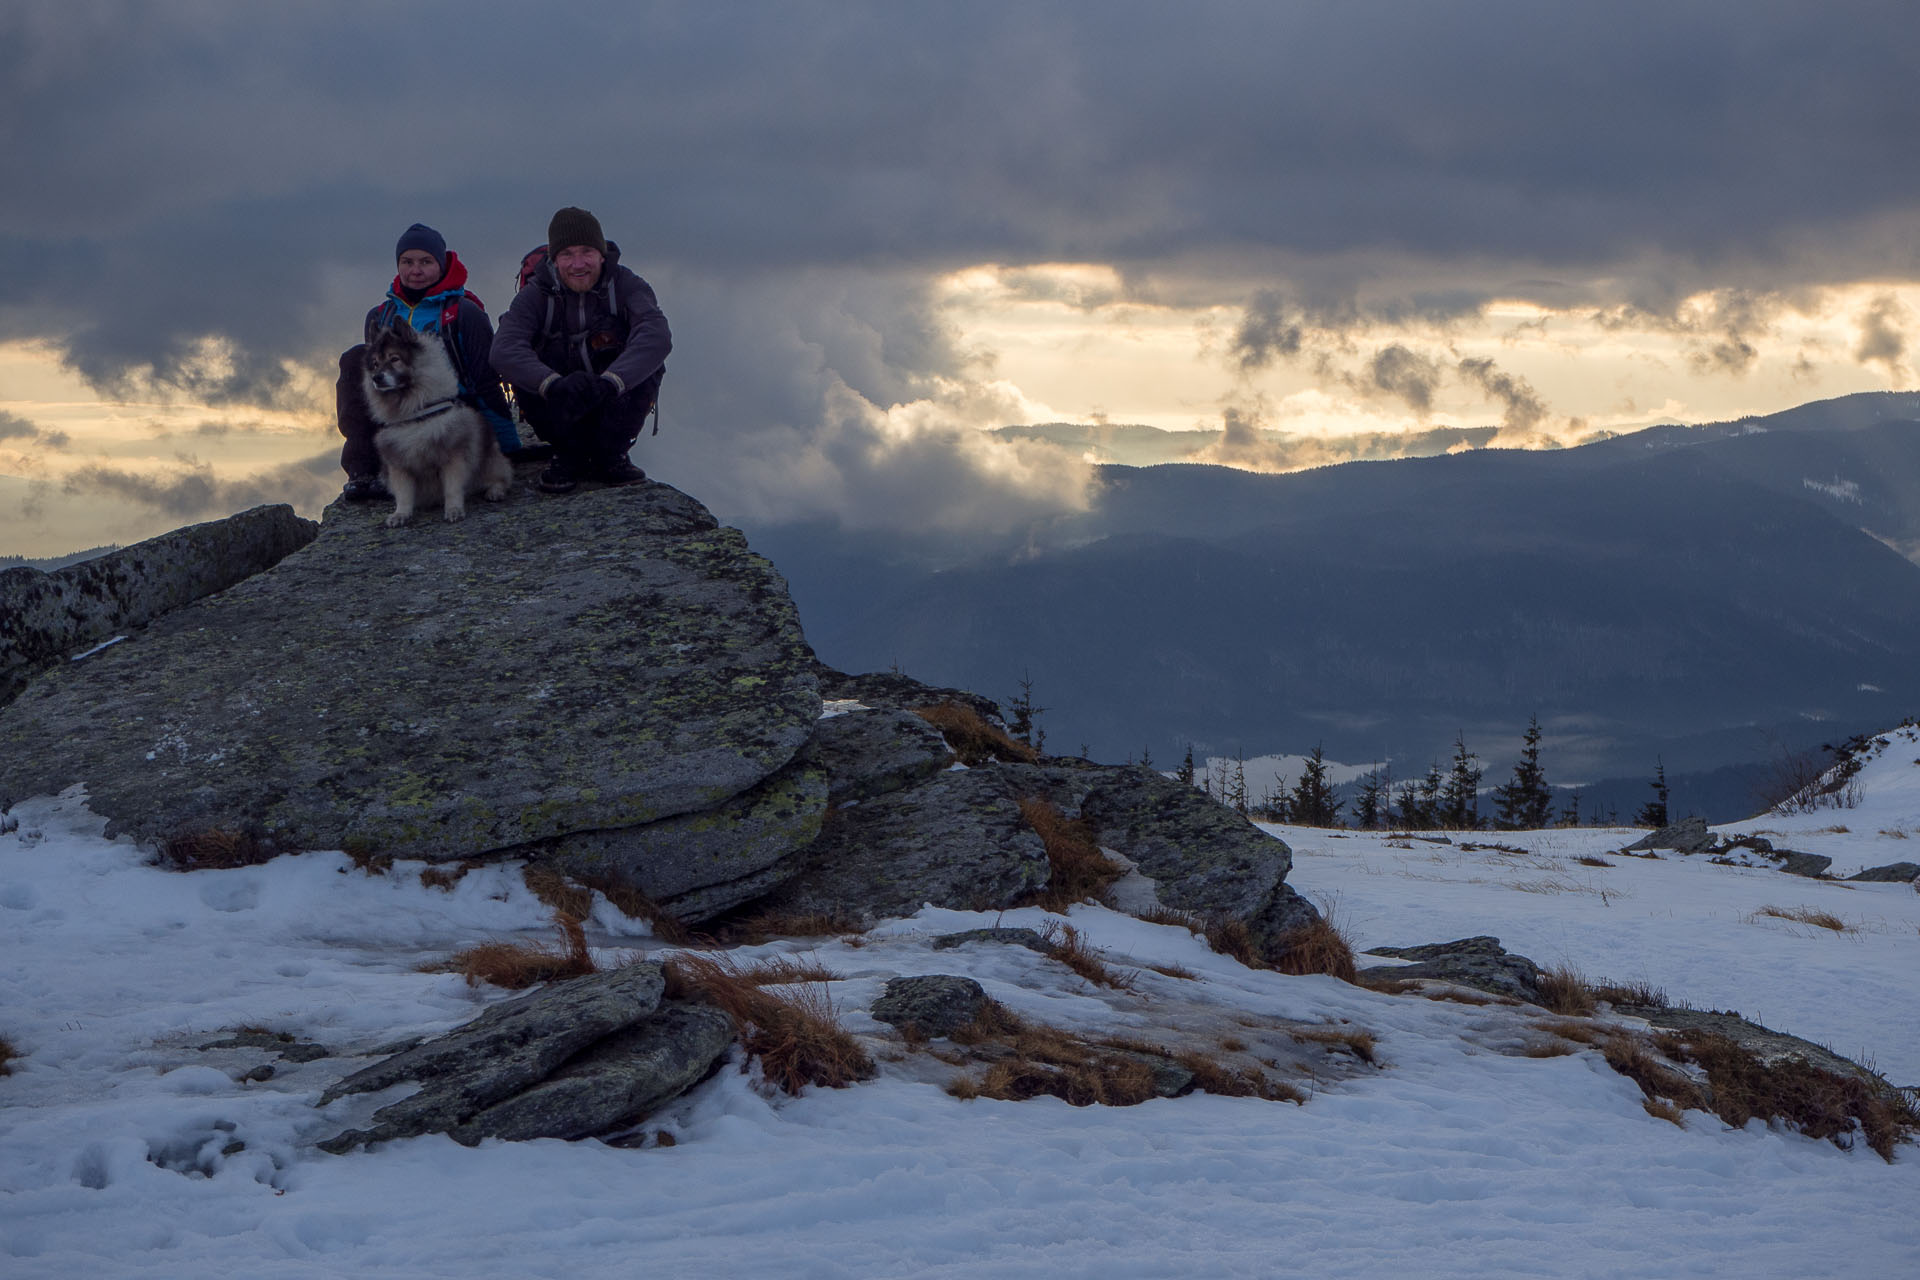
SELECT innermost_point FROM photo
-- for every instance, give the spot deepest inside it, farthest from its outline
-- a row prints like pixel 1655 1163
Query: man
pixel 584 346
pixel 429 292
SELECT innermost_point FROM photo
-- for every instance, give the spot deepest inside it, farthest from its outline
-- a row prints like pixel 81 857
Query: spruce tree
pixel 1313 801
pixel 1654 812
pixel 1526 802
pixel 1460 798
pixel 1185 772
pixel 1570 816
pixel 1023 716
pixel 1372 801
pixel 1236 787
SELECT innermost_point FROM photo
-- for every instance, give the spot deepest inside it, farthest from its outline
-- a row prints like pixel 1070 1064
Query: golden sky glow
pixel 1054 342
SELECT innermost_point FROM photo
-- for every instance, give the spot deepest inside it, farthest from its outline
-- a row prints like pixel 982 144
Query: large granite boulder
pixel 1689 835
pixel 1479 962
pixel 545 668
pixel 47 616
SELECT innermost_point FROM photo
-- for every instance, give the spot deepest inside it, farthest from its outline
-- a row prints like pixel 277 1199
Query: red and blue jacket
pixel 460 321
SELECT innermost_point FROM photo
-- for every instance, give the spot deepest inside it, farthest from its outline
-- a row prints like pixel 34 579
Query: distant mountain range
pixel 1700 595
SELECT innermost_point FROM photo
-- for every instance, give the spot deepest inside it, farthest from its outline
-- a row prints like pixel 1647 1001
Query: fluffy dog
pixel 434 447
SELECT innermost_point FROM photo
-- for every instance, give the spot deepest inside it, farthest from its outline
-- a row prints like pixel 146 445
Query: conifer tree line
pixel 1444 798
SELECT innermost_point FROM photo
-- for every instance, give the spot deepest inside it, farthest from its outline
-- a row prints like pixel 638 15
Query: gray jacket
pixel 615 329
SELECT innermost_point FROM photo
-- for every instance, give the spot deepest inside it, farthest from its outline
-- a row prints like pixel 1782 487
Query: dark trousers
pixel 607 432
pixel 358 458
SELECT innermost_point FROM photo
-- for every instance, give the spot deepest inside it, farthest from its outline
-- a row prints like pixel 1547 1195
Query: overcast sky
pixel 878 227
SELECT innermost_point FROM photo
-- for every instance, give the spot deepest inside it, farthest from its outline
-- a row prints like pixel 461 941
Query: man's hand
pixel 576 394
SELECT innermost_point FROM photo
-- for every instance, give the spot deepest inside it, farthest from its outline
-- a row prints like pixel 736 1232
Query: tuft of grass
pixel 1077 869
pixel 1355 1040
pixel 1319 947
pixel 7 1054
pixel 1660 1109
pixel 1592 860
pixel 1552 1047
pixel 1813 1100
pixel 213 850
pixel 517 965
pixel 444 878
pixel 782 971
pixel 367 858
pixel 756 929
pixel 1158 914
pixel 1634 993
pixel 1388 986
pixel 971 738
pixel 629 901
pixel 1232 938
pixel 1578 1029
pixel 1806 915
pixel 1175 971
pixel 1067 945
pixel 793 1032
pixel 1210 1076
pixel 560 894
pixel 1564 991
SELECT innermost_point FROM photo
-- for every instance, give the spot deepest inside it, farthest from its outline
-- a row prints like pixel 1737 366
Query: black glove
pixel 576 395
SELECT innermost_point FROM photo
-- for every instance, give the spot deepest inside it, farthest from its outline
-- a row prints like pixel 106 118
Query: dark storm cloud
pixel 20 432
pixel 1405 375
pixel 1522 409
pixel 204 197
pixel 190 488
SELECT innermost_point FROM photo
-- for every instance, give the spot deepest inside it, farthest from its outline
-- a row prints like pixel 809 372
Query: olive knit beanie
pixel 572 227
pixel 421 236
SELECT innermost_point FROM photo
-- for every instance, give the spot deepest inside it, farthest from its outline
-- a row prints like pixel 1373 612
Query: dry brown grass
pixel 561 895
pixel 1236 1082
pixel 214 850
pixel 1067 945
pixel 972 738
pixel 1573 1029
pixel 782 971
pixel 1175 971
pixel 1319 947
pixel 1549 1048
pixel 1633 993
pixel 1028 1061
pixel 635 905
pixel 1808 916
pixel 1232 938
pixel 368 859
pixel 756 929
pixel 1660 1109
pixel 1078 871
pixel 1388 986
pixel 7 1054
pixel 1815 1101
pixel 1590 860
pixel 516 965
pixel 1355 1040
pixel 793 1032
pixel 1564 991
pixel 445 877
pixel 1172 916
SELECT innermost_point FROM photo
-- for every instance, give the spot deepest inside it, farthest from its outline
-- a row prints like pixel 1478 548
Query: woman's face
pixel 418 269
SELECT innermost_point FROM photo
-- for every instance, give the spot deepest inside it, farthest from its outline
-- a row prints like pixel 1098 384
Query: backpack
pixel 530 263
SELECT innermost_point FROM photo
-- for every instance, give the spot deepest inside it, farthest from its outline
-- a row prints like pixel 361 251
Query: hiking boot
pixel 558 477
pixel 618 470
pixel 364 489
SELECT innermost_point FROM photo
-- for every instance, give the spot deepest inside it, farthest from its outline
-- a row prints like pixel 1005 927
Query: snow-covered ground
pixel 125 1151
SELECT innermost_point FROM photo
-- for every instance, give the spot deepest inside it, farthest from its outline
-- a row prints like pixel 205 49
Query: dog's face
pixel 390 358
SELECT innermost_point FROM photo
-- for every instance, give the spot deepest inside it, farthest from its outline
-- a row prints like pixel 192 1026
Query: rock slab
pixel 547 666
pixel 46 616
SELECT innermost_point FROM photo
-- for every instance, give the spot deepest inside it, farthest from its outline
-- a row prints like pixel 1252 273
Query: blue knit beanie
pixel 422 236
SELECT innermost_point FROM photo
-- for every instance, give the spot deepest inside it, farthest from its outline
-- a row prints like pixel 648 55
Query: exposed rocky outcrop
pixel 1479 962
pixel 933 1004
pixel 48 616
pixel 607 683
pixel 1689 835
pixel 574 1059
pixel 1891 873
